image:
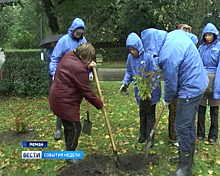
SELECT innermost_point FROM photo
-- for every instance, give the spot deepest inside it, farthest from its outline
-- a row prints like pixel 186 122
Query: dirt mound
pixel 12 137
pixel 98 165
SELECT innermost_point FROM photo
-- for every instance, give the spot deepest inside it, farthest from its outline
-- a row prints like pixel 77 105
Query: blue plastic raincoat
pixel 193 37
pixel 65 44
pixel 210 55
pixel 134 64
pixel 179 59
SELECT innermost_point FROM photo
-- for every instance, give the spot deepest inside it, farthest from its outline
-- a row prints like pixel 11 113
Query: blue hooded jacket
pixel 134 64
pixel 65 44
pixel 183 71
pixel 210 55
pixel 193 37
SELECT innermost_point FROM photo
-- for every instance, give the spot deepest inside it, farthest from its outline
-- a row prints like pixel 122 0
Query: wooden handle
pixel 87 106
pixel 159 116
pixel 103 109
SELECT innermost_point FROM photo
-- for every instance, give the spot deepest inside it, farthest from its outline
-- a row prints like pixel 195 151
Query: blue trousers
pixel 185 126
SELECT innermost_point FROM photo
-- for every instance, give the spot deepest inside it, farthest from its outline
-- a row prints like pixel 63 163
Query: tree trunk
pixel 53 23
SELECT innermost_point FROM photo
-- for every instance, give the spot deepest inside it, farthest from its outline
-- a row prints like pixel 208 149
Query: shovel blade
pixel 87 127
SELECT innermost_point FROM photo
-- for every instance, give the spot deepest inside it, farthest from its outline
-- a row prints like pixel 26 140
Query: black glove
pixel 123 89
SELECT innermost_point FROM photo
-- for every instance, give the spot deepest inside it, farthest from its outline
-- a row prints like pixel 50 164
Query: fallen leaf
pixel 59 167
pixel 36 167
pixel 2 165
pixel 161 142
pixel 152 152
pixel 106 136
pixel 210 172
pixel 204 156
pixel 218 161
pixel 2 154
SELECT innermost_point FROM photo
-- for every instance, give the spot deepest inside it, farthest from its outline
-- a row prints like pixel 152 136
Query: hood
pixel 209 28
pixel 153 40
pixel 77 22
pixel 134 41
pixel 193 37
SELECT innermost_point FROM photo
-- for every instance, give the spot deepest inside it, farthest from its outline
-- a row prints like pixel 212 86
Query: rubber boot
pixel 71 161
pixel 201 122
pixel 177 160
pixel 185 164
pixel 57 135
pixel 213 131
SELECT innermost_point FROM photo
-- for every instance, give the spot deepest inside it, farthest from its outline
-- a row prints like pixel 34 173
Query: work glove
pixel 165 104
pixel 123 89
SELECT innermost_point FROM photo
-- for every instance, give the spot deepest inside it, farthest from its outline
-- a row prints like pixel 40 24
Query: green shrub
pixel 113 54
pixel 24 74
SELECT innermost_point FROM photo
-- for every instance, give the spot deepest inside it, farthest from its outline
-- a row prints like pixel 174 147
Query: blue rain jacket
pixel 210 55
pixel 65 44
pixel 179 59
pixel 193 37
pixel 133 64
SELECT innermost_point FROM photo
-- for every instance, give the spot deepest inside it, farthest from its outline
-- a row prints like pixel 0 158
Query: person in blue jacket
pixel 184 77
pixel 68 42
pixel 172 106
pixel 138 58
pixel 209 51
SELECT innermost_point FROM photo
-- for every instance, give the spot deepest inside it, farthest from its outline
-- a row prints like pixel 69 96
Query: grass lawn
pixel 123 116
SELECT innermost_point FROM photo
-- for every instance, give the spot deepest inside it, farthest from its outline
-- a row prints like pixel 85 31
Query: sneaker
pixel 212 141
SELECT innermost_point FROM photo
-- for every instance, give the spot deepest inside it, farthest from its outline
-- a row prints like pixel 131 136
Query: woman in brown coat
pixel 70 86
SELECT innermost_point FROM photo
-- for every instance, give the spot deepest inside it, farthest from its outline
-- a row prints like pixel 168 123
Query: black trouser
pixel 72 132
pixel 213 131
pixel 147 120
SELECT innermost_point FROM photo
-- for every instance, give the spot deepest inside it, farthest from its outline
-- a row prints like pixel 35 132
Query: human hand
pixel 165 104
pixel 123 89
pixel 92 64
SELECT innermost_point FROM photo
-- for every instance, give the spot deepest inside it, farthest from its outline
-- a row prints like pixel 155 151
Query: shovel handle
pixel 87 106
pixel 103 109
pixel 159 116
pixel 87 110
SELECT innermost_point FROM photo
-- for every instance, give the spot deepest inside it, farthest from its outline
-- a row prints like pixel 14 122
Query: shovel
pixel 87 125
pixel 149 141
pixel 116 157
